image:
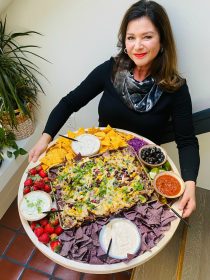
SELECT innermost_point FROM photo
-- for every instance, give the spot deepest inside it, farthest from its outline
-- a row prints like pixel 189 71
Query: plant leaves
pixel 16 153
pixel 18 82
pixel 9 154
pixel 22 151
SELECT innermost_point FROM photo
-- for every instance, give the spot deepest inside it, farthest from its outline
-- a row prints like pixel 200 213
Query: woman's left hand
pixel 188 201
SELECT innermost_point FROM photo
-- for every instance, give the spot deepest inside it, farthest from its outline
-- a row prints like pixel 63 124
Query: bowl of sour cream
pixel 126 238
pixel 86 145
pixel 33 204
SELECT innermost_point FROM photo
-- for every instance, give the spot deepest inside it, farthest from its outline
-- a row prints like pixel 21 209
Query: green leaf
pixel 22 151
pixel 9 154
pixel 16 153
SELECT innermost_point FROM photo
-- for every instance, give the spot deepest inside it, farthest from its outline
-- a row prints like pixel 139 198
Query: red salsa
pixel 168 185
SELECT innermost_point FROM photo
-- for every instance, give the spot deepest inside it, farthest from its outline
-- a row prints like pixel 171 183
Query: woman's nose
pixel 138 44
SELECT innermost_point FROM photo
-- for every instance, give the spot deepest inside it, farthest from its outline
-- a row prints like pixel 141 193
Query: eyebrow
pixel 148 32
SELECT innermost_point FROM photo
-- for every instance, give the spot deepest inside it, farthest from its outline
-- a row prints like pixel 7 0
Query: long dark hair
pixel 164 66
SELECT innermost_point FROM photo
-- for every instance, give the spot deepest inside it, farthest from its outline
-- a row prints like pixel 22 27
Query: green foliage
pixel 7 140
pixel 18 83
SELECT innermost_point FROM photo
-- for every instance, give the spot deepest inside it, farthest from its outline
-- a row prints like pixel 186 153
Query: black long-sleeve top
pixel 151 125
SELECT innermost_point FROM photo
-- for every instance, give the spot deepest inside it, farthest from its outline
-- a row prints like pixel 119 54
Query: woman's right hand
pixel 40 147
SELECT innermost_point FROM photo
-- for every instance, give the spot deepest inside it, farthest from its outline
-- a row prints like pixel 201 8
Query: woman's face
pixel 142 42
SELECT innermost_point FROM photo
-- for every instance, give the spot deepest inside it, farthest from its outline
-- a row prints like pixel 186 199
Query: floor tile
pixel 29 274
pixel 97 277
pixel 40 262
pixel 9 271
pixel 66 274
pixel 6 236
pixel 22 230
pixel 11 217
pixel 122 276
pixel 21 248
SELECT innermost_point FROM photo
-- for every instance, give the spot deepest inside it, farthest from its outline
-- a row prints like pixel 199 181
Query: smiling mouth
pixel 140 55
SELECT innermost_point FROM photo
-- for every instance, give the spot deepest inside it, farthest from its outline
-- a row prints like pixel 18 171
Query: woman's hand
pixel 40 147
pixel 188 201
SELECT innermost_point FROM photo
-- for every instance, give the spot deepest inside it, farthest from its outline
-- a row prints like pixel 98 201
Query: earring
pixel 161 50
pixel 125 50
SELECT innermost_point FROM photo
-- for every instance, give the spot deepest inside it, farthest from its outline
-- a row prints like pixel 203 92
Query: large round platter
pixel 105 268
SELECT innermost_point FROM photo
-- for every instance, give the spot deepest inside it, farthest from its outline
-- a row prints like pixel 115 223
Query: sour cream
pixel 33 204
pixel 125 236
pixel 86 145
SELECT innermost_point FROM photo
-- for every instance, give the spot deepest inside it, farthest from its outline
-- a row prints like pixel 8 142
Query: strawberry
pixel 55 246
pixel 47 188
pixel 42 173
pixel 58 230
pixel 46 179
pixel 28 182
pixel 54 220
pixel 33 225
pixel 35 188
pixel 44 238
pixel 38 231
pixel 26 190
pixel 39 168
pixel 32 172
pixel 39 183
pixel 43 222
pixel 53 237
pixel 49 229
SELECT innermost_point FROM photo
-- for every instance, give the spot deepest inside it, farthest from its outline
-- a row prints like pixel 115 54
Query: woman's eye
pixel 130 38
pixel 148 37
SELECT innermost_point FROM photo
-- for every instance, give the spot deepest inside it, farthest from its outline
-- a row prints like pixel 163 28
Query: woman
pixel 141 91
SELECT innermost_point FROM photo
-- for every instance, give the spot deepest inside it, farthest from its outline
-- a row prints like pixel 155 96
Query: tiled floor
pixel 21 260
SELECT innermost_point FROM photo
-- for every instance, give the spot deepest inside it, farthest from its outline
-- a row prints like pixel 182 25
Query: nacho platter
pixel 100 268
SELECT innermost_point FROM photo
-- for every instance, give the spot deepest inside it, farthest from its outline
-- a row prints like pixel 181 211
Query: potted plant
pixel 19 85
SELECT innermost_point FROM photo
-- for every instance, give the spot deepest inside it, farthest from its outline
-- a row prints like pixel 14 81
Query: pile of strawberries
pixel 47 230
pixel 37 179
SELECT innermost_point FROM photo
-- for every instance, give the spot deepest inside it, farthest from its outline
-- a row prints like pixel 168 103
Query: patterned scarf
pixel 138 96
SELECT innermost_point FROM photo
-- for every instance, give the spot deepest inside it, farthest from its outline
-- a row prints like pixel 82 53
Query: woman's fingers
pixel 34 154
pixel 188 209
pixel 188 201
pixel 40 147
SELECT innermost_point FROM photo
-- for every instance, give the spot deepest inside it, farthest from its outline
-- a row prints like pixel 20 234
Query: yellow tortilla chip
pixel 71 134
pixel 100 134
pixel 44 166
pixel 54 156
pixel 112 133
pixel 103 149
pixel 105 141
pixel 93 130
pixel 107 129
pixel 80 131
pixel 70 155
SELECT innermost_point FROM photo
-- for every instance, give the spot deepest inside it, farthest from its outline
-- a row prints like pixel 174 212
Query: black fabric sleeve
pixel 186 141
pixel 76 99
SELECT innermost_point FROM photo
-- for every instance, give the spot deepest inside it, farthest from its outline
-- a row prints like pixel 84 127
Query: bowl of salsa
pixel 169 184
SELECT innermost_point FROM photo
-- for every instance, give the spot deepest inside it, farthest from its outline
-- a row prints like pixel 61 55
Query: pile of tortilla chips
pixel 61 150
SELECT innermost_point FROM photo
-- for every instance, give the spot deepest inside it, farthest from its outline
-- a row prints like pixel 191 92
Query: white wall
pixel 80 34
pixel 4 4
